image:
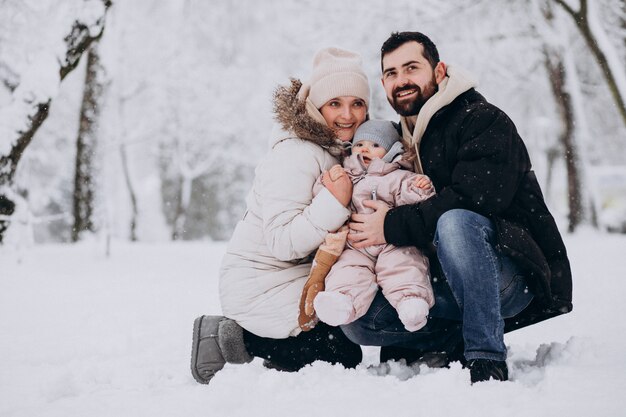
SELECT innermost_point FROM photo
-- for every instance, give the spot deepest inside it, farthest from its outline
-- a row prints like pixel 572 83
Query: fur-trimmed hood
pixel 293 115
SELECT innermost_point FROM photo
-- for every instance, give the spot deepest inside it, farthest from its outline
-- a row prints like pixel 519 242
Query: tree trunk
pixel 8 164
pixel 556 71
pixel 86 148
pixel 131 192
pixel 178 225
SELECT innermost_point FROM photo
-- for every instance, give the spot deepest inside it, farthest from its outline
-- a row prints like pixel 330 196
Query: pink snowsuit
pixel 401 272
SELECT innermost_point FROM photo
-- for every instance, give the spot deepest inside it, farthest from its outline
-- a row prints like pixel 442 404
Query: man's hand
pixel 368 229
pixel 338 183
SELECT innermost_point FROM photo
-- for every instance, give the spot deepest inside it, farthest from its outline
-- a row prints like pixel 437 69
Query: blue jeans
pixel 480 289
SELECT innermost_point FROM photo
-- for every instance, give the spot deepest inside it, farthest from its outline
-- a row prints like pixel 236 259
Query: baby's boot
pixel 413 313
pixel 334 308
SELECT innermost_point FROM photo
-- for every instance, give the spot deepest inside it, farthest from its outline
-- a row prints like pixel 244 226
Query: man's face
pixel 408 78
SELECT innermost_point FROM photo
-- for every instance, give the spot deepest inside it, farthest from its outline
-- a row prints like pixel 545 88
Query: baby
pixel 353 280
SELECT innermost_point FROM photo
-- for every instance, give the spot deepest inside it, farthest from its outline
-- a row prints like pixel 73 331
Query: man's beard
pixel 413 107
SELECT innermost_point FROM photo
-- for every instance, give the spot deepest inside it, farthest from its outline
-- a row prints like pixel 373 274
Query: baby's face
pixel 369 150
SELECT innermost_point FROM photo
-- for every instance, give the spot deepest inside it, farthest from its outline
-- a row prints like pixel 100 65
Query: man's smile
pixel 406 93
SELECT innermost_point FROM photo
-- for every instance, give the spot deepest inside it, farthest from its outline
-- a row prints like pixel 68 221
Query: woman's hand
pixel 338 183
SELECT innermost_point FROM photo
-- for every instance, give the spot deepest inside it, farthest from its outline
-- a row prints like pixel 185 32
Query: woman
pixel 268 258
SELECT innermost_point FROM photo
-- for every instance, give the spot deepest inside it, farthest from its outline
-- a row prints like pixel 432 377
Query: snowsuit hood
pixel 355 167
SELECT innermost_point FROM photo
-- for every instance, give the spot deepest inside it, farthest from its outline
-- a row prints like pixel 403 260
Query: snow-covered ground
pixel 86 335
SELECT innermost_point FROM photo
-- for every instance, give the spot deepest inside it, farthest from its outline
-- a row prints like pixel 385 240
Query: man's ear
pixel 440 72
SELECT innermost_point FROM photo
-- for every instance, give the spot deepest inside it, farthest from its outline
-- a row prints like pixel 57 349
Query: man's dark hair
pixel 397 39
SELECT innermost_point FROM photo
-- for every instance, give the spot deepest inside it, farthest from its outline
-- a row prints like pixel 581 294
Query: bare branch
pixel 9 162
pixel 568 8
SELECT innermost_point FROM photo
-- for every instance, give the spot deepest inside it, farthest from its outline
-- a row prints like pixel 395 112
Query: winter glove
pixel 325 258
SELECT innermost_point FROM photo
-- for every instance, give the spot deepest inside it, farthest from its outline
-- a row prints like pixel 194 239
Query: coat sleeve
pixel 318 186
pixel 490 162
pixel 294 222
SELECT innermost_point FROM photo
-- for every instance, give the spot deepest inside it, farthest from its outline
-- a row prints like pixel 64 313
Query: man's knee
pixel 461 237
pixel 455 220
pixel 458 225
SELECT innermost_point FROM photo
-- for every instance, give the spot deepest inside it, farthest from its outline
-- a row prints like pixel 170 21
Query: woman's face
pixel 343 115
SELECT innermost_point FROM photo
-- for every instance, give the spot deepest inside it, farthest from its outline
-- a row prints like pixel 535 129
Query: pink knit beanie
pixel 336 73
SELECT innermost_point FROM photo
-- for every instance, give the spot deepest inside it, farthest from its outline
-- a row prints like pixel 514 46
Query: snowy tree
pixel 34 78
pixel 198 141
pixel 565 87
pixel 85 182
pixel 590 27
pixel 559 80
pixel 187 109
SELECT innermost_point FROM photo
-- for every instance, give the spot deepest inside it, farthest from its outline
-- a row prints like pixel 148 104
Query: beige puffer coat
pixel 267 260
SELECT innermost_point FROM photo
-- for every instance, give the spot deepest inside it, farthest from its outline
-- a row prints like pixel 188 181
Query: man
pixel 498 261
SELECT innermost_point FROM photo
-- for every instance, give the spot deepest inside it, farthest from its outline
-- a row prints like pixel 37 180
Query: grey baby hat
pixel 382 132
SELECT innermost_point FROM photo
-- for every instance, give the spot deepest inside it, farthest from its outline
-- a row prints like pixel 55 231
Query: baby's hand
pixel 337 172
pixel 338 183
pixel 423 182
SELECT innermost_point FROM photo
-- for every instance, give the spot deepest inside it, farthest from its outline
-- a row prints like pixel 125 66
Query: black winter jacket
pixel 477 161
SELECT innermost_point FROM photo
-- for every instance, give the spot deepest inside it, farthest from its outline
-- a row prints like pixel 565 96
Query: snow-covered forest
pixel 128 124
pixel 142 120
